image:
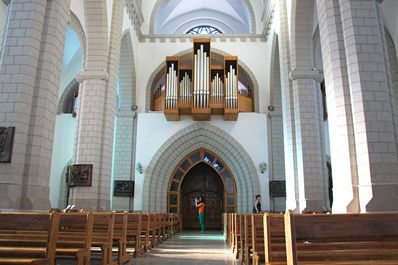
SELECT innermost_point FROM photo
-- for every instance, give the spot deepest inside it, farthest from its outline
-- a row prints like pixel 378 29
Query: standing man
pixel 257 204
pixel 200 205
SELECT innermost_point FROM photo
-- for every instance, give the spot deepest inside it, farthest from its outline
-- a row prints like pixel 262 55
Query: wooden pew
pixel 134 222
pixel 340 239
pixel 274 239
pixel 75 236
pixel 229 228
pixel 237 246
pixel 170 232
pixel 145 231
pixel 102 236
pixel 152 230
pixel 175 224
pixel 163 226
pixel 23 248
pixel 246 238
pixel 120 238
pixel 257 221
pixel 158 228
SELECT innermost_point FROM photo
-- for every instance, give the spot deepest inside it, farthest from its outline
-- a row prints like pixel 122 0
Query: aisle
pixel 190 248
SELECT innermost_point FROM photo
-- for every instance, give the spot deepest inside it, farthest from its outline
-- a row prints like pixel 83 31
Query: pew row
pixel 341 239
pixel 42 238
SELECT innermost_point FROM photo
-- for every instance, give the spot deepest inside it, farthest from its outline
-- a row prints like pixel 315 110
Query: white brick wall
pixel 29 81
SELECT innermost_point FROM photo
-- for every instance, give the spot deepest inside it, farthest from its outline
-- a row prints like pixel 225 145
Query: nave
pixel 190 248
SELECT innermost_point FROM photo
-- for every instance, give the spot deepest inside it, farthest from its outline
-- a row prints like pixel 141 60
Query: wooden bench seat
pixel 120 238
pixel 22 261
pixel 134 238
pixel 340 239
pixel 14 227
pixel 145 231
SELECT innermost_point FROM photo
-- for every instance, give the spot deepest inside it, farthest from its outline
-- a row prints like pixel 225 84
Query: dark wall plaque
pixel 123 188
pixel 277 188
pixel 80 175
pixel 6 143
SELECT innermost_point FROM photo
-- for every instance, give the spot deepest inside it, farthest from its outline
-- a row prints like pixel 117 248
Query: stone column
pixel 275 132
pixel 287 109
pixel 311 164
pixel 97 101
pixel 373 119
pixel 126 124
pixel 29 84
pixel 341 130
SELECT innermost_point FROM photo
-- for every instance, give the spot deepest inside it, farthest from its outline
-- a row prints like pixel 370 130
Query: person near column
pixel 257 204
pixel 200 205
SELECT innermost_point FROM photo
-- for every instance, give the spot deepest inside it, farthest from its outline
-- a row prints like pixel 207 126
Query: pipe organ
pixel 200 86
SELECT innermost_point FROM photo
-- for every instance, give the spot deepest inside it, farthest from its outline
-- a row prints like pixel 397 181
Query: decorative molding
pixel 89 75
pixel 188 37
pixel 80 175
pixel 315 74
pixel 268 17
pixel 123 188
pixel 136 16
pixel 277 188
pixel 6 143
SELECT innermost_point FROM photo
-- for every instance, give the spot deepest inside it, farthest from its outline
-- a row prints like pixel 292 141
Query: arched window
pixel 204 29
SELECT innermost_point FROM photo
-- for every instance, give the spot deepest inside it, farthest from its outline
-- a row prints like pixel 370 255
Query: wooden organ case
pixel 199 85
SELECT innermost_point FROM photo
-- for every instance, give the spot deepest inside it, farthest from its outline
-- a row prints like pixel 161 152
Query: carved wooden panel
pixel 277 188
pixel 80 175
pixel 6 143
pixel 123 188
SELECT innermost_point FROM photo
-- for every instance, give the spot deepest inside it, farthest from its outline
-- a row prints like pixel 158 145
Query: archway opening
pixel 201 172
pixel 202 181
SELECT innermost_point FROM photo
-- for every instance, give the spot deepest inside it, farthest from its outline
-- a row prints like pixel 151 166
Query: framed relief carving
pixel 80 175
pixel 6 143
pixel 123 188
pixel 277 188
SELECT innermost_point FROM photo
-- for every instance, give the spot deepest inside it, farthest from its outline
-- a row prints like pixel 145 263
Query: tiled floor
pixel 190 248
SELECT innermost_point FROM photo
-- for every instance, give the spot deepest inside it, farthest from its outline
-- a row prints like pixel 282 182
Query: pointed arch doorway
pixel 201 172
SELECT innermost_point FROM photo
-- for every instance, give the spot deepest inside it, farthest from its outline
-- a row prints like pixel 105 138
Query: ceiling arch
pixel 178 16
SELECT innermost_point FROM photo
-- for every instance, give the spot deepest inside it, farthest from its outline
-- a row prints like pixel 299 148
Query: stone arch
pixel 74 23
pixel 242 66
pixel 199 135
pixel 159 3
pixel 70 89
pixel 201 156
pixel 127 76
pixel 301 33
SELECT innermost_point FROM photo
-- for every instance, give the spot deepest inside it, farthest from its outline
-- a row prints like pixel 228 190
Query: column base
pixel 10 197
pixel 314 206
pixel 383 197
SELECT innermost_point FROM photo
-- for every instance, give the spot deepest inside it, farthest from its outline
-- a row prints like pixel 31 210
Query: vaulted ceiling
pixel 179 16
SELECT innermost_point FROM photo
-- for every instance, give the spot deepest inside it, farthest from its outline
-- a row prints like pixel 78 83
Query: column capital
pixel 315 74
pixel 89 75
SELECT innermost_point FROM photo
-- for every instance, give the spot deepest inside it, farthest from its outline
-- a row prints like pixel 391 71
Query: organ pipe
pixel 185 89
pixel 217 92
pixel 231 97
pixel 201 73
pixel 171 88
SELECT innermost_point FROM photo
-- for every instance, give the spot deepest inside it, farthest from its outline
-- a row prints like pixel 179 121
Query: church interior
pixel 143 132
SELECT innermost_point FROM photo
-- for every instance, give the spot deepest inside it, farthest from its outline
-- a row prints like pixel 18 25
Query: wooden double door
pixel 202 180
